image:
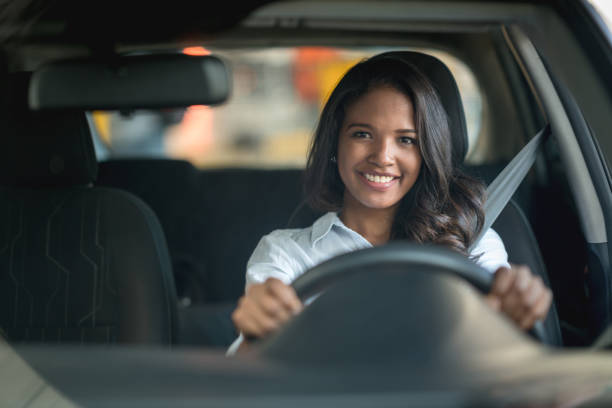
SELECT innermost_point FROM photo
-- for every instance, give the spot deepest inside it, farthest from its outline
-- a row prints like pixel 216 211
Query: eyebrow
pixel 365 125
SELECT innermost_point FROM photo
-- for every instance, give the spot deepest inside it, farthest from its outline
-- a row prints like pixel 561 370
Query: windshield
pixel 270 117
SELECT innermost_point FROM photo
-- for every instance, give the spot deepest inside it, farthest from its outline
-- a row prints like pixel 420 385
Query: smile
pixel 378 179
pixel 379 182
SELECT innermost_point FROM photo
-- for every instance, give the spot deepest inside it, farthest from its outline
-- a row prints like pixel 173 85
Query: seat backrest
pixel 213 220
pixel 514 228
pixel 171 189
pixel 522 247
pixel 211 232
pixel 78 263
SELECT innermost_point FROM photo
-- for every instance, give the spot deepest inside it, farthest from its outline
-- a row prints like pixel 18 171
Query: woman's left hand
pixel 520 295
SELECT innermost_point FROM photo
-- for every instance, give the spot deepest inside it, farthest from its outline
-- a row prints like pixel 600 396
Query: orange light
pixel 197 107
pixel 197 51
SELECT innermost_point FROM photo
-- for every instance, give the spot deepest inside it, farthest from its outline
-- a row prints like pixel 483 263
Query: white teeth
pixel 378 179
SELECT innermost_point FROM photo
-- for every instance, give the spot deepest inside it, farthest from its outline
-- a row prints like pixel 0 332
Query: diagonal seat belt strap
pixel 507 181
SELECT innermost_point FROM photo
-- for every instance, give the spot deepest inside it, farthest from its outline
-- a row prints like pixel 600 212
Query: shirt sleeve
pixel 272 259
pixel 490 252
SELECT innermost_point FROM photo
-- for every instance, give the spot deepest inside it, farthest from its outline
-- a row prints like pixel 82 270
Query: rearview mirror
pixel 130 82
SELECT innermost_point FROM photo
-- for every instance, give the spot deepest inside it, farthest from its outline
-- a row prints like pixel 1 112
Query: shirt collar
pixel 323 225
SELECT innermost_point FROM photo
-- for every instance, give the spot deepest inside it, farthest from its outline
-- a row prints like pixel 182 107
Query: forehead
pixel 381 104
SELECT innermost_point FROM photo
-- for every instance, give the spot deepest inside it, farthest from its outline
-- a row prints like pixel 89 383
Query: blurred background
pixel 268 121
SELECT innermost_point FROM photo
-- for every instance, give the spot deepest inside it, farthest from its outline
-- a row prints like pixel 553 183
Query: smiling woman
pixel 388 97
pixel 382 162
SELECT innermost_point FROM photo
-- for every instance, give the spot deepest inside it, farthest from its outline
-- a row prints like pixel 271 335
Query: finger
pixel 539 310
pixel 527 300
pixel 524 283
pixel 244 325
pixel 250 329
pixel 533 293
pixel 259 321
pixel 284 294
pixel 512 300
pixel 251 320
pixel 267 301
pixel 272 307
pixel 523 278
pixel 260 298
pixel 504 277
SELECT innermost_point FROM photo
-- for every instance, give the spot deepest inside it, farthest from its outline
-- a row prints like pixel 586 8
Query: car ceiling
pixel 66 29
pixel 115 21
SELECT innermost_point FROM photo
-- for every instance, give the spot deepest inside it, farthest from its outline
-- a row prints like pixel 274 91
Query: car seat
pixel 78 263
pixel 512 224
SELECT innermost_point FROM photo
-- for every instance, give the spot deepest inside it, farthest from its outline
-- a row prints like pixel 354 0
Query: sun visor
pixel 131 82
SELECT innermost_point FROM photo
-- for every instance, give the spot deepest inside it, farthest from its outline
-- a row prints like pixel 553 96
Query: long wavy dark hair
pixel 445 205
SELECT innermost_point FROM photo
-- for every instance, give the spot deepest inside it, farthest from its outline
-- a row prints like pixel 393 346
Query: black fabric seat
pixel 512 225
pixel 77 263
pixel 522 247
pixel 213 220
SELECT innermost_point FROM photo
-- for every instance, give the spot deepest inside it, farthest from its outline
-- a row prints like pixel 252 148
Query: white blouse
pixel 288 253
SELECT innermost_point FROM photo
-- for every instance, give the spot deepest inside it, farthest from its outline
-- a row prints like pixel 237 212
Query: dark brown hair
pixel 445 205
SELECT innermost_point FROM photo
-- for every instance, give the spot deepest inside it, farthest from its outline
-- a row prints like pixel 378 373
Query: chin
pixel 378 205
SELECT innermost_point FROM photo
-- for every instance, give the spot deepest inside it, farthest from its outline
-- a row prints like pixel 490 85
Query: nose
pixel 382 153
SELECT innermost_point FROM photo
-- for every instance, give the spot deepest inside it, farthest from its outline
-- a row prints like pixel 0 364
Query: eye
pixel 361 135
pixel 407 140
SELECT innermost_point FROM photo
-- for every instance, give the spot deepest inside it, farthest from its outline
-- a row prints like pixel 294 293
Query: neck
pixel 371 223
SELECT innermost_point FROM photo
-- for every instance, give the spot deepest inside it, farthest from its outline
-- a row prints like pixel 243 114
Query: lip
pixel 378 186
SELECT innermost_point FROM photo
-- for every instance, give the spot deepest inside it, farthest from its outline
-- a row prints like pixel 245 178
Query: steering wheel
pixel 406 255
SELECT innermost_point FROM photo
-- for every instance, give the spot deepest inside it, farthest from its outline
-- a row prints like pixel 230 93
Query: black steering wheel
pixel 406 255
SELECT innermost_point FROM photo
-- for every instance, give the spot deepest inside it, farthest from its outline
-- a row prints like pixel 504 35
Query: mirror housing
pixel 130 82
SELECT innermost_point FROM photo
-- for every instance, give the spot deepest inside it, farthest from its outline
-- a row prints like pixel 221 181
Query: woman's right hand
pixel 265 307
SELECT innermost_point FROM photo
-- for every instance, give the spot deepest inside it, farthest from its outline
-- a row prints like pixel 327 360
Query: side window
pixel 269 120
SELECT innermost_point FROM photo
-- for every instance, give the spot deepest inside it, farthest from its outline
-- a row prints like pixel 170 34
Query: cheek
pixel 346 160
pixel 412 163
pixel 412 168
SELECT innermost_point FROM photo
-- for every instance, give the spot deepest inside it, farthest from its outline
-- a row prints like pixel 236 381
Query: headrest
pixel 444 83
pixel 42 149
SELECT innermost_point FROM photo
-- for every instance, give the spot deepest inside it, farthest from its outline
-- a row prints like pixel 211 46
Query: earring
pixel 333 159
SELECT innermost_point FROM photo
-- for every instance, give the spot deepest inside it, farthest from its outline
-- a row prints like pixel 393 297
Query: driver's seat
pixel 512 224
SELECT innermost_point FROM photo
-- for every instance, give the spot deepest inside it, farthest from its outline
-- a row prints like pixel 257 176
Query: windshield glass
pixel 269 119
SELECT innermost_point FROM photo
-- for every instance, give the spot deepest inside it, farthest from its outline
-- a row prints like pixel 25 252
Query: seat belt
pixel 507 181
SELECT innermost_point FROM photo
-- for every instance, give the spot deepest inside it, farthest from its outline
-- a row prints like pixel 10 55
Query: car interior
pixel 185 233
pixel 147 253
pixel 212 280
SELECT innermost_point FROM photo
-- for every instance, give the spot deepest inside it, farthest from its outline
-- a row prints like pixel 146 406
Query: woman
pixel 381 165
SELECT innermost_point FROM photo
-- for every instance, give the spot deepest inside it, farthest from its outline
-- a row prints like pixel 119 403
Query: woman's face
pixel 378 154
